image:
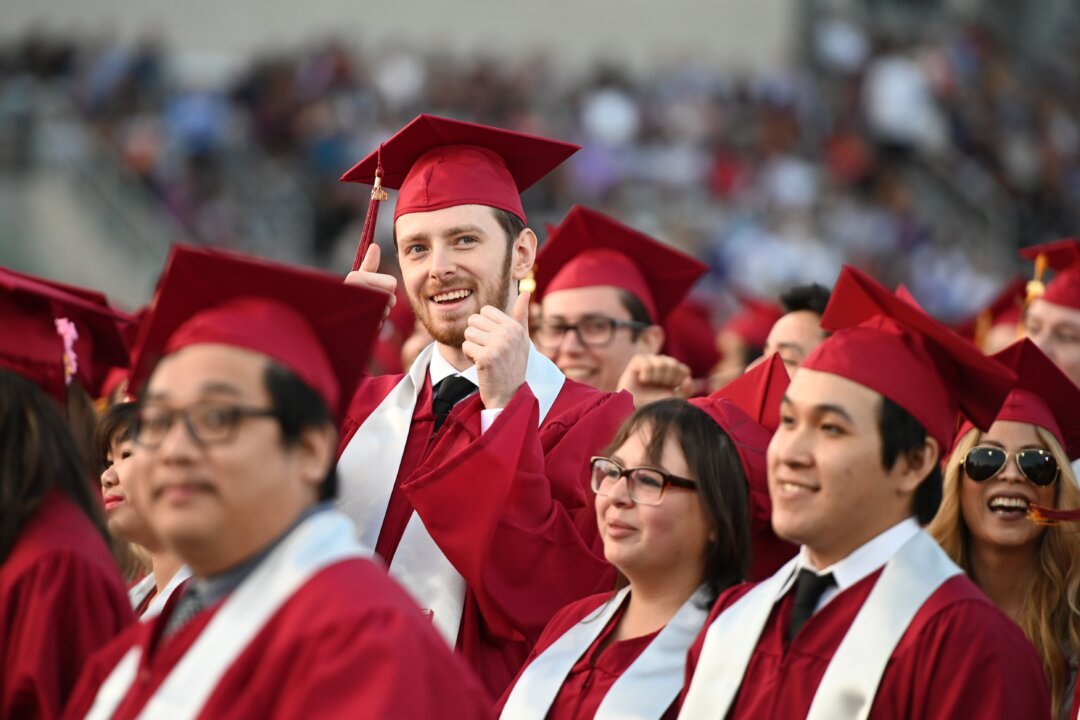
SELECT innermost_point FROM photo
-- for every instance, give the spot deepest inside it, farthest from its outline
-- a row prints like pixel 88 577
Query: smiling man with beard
pixel 468 474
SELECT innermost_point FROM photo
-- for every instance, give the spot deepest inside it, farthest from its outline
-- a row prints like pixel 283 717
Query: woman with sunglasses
pixel 672 508
pixel 992 480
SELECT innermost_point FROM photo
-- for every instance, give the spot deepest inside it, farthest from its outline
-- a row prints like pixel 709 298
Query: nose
pixel 620 493
pixel 442 262
pixel 179 443
pixel 109 478
pixel 571 343
pixel 1011 471
pixel 790 446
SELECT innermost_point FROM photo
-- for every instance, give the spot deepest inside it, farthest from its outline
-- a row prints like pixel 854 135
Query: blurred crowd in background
pixel 926 161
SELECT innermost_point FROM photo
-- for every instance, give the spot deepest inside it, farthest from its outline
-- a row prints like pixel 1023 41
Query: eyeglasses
pixel 206 424
pixel 645 485
pixel 984 462
pixel 592 330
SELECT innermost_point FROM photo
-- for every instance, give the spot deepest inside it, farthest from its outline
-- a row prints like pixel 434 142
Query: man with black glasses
pixel 605 291
pixel 285 615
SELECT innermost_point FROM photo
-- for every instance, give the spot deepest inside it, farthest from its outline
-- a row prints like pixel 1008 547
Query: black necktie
pixel 190 605
pixel 447 394
pixel 809 587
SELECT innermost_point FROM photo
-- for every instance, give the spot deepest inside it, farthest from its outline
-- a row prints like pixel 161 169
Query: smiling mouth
pixel 451 296
pixel 789 489
pixel 1008 506
pixel 577 373
pixel 111 502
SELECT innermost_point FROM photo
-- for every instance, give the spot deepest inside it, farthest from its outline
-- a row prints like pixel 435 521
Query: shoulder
pixel 59 538
pixel 572 614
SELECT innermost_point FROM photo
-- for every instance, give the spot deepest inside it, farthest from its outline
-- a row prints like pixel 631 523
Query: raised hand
pixel 369 276
pixel 498 344
pixel 655 377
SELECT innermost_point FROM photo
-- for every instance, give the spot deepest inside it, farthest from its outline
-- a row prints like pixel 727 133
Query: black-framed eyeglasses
pixel 591 330
pixel 645 485
pixel 985 461
pixel 207 424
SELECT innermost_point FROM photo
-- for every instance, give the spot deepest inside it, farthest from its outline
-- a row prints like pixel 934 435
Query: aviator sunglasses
pixel 984 462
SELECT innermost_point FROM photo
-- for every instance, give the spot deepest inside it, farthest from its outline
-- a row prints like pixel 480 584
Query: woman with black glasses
pixel 672 508
pixel 995 484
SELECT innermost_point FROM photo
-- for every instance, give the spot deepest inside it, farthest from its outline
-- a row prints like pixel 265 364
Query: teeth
pixel 1008 503
pixel 577 373
pixel 452 295
pixel 787 488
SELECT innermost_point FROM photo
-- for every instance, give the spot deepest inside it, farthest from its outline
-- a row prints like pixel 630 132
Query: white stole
pixel 367 472
pixel 644 691
pixel 321 540
pixel 137 594
pixel 851 680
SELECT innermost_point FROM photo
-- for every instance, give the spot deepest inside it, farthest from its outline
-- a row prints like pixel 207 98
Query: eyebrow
pixel 210 388
pixel 790 346
pixel 826 408
pixel 449 232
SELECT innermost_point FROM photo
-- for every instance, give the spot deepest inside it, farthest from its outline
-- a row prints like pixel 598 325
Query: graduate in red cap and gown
pixel 991 480
pixel 61 596
pixel 871 618
pixel 623 655
pixel 606 291
pixel 469 473
pixel 244 369
pixel 1052 318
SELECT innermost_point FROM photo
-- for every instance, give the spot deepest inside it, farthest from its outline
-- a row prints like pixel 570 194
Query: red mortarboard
pixel 753 321
pixel 1006 308
pixel 1064 257
pixel 31 343
pixel 883 343
pixel 310 322
pixel 1043 395
pixel 691 338
pixel 100 344
pixel 759 391
pixel 589 249
pixel 739 408
pixel 438 163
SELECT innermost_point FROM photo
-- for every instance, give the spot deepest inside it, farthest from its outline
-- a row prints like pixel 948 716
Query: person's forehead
pixel 208 368
pixel 813 388
pixel 798 324
pixel 438 223
pixel 574 303
pixel 1011 433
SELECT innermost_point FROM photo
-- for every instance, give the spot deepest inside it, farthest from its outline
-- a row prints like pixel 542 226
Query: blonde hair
pixel 1050 618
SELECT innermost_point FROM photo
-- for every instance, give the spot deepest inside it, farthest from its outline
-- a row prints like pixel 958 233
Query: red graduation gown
pixel 596 670
pixel 510 508
pixel 61 600
pixel 348 643
pixel 960 657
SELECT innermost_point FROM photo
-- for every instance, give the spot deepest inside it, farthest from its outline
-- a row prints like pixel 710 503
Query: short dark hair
pixel 722 486
pixel 116 425
pixel 902 434
pixel 297 409
pixel 510 223
pixel 637 311
pixel 811 296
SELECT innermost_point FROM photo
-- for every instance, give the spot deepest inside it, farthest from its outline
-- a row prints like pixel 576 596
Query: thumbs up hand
pixel 498 344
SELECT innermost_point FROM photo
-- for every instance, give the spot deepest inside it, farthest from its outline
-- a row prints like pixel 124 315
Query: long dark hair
pixel 38 454
pixel 714 463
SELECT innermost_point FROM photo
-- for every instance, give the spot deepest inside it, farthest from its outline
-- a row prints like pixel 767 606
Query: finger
pixel 471 350
pixel 371 260
pixel 378 281
pixel 520 311
pixel 478 337
pixel 494 314
pixel 481 322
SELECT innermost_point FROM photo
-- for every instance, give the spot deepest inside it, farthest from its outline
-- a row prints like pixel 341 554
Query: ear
pixel 524 254
pixel 913 467
pixel 315 453
pixel 652 339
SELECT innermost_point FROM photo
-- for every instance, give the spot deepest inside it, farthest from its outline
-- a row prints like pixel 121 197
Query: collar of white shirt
pixel 440 368
pixel 864 560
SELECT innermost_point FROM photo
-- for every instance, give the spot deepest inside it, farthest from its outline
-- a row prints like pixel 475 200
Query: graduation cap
pixel 884 343
pixel 437 163
pixel 589 248
pixel 310 322
pixel 690 338
pixel 99 338
pixel 1006 308
pixel 748 410
pixel 40 340
pixel 753 321
pixel 1063 256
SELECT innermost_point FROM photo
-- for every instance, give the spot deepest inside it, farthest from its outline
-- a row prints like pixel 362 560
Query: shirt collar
pixel 440 368
pixel 864 560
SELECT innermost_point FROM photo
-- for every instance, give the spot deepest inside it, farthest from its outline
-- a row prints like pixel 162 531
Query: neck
pixel 822 557
pixel 164 565
pixel 1005 574
pixel 653 603
pixel 454 356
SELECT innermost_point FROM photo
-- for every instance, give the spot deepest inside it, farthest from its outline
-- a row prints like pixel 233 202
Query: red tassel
pixel 368 233
pixel 1050 516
